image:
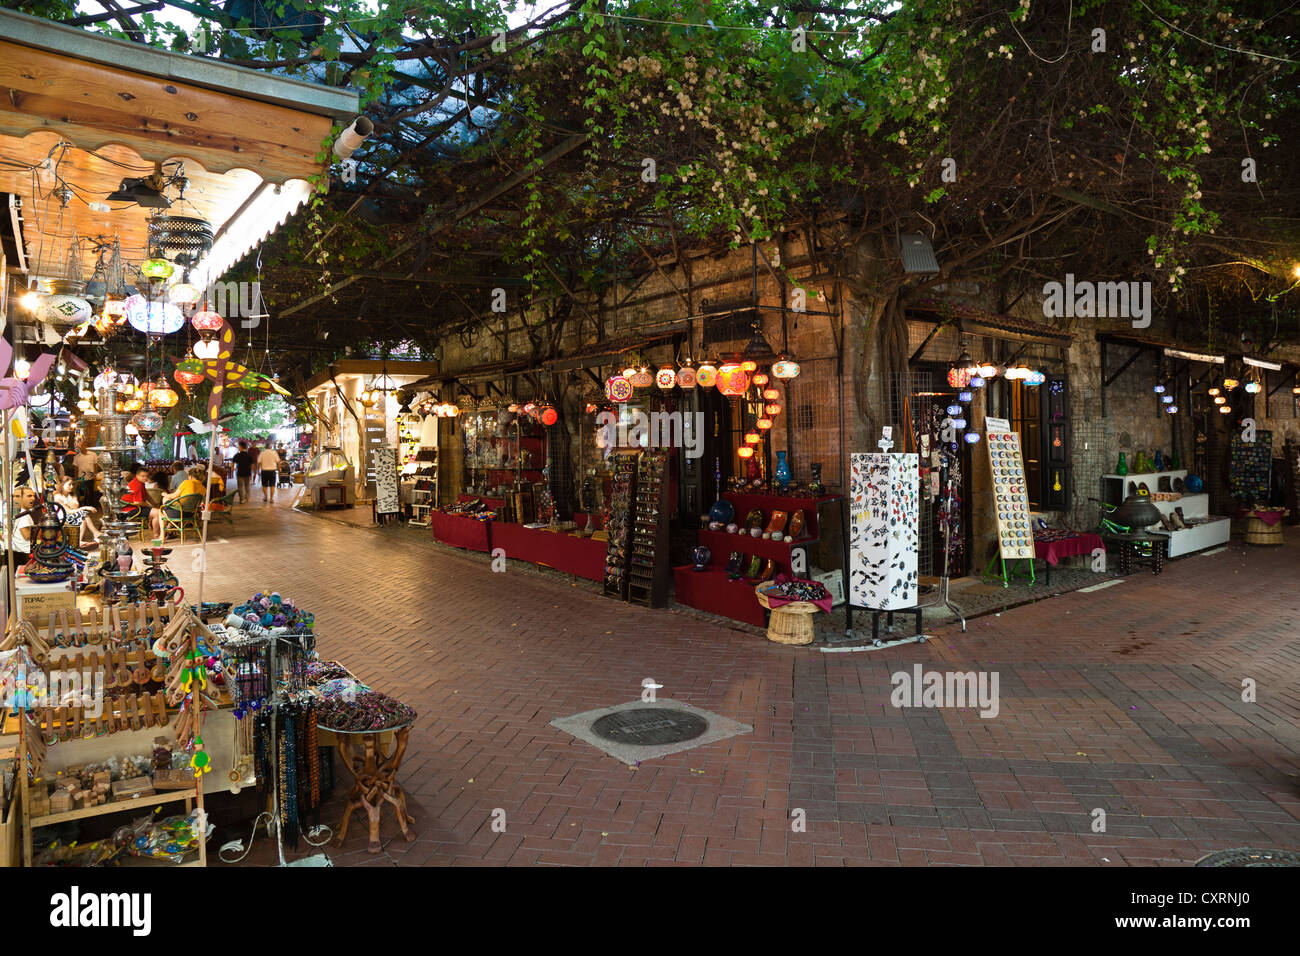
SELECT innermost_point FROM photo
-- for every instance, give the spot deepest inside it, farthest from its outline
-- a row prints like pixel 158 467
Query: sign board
pixel 1010 493
pixel 387 499
pixel 373 438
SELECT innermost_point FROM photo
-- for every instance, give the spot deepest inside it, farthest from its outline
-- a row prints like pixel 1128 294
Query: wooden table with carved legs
pixel 373 769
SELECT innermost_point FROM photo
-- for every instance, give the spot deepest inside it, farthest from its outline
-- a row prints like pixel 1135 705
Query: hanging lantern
pixel 642 378
pixel 785 368
pixel 1167 399
pixel 83 404
pixel 1158 388
pixel 182 293
pixel 161 396
pixel 157 269
pixel 745 451
pixel 147 424
pixel 954 410
pixel 1230 383
pixel 764 423
pixel 207 322
pixel 132 404
pixel 986 371
pixel 1035 379
pixel 771 394
pixel 1252 386
pixel 958 377
pixel 187 378
pixel 666 378
pixel 63 312
pixel 772 410
pixel 732 380
pixel 1225 409
pixel 1171 409
pixel 618 388
pixel 759 378
pixel 972 438
pixel 706 375
pixel 965 397
pixel 549 416
pixel 976 381
pixel 753 438
pixel 959 423
pixel 153 318
pixel 1219 400
pixel 1212 392
pixel 749 365
pixel 686 377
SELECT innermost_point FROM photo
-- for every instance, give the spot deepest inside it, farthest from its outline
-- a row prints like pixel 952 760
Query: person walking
pixel 243 471
pixel 268 462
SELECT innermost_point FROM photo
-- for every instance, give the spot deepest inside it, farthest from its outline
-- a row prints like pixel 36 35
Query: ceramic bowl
pixel 755 532
pixel 732 528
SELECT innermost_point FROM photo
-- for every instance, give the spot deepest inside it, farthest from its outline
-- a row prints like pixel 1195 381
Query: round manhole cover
pixel 1250 857
pixel 645 726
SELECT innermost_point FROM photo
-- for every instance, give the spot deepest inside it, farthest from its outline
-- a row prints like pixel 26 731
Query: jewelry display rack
pixel 620 524
pixel 648 568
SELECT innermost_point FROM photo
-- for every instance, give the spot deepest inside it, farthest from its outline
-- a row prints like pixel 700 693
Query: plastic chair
pixel 226 513
pixel 181 514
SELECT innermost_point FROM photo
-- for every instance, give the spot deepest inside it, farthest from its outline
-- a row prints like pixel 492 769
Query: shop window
pixel 1025 416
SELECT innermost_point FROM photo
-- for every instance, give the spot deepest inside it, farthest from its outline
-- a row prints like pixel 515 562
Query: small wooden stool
pixel 790 623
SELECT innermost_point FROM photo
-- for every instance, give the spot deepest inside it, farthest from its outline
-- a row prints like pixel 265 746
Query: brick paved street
pixel 1126 699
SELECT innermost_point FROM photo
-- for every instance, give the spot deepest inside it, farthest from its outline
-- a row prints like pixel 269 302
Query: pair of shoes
pixel 1177 521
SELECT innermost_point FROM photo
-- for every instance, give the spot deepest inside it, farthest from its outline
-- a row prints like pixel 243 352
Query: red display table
pixel 461 532
pixel 711 591
pixel 569 553
pixel 1052 551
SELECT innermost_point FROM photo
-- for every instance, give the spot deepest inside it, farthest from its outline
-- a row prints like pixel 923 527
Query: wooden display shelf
pixel 112 806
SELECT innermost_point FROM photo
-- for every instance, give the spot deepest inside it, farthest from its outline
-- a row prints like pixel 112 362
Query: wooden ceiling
pixel 49 228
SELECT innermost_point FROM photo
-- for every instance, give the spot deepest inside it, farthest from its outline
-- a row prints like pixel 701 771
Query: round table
pixel 373 768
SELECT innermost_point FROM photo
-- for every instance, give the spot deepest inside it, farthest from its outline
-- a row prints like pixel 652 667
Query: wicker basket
pixel 790 623
pixel 1257 532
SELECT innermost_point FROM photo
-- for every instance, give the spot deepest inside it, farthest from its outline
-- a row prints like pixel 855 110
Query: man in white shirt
pixel 21 542
pixel 268 463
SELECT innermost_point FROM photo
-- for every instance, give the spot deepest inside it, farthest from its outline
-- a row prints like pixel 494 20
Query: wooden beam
pixel 92 105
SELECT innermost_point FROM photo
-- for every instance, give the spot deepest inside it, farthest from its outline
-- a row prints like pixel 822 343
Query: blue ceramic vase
pixel 782 471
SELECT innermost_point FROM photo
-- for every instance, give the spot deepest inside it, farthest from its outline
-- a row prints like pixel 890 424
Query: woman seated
pixel 78 516
pixel 217 482
pixel 193 485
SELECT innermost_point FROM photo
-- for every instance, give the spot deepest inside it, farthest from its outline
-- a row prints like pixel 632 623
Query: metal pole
pixel 11 594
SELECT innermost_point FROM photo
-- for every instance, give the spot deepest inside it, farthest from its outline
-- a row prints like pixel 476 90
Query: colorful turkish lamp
pixel 954 410
pixel 958 377
pixel 1230 383
pixel 763 423
pixel 771 394
pixel 549 416
pixel 772 410
pixel 972 438
pixel 1167 399
pixel 745 451
pixel 785 368
pixel 1171 409
pixel 666 378
pixel 147 424
pixel 1219 400
pixel 959 423
pixel 985 371
pixel 759 378
pixel 1035 379
pixel 965 397
pixel 618 388
pixel 157 269
pixel 187 378
pixel 1225 409
pixel 732 380
pixel 132 404
pixel 753 438
pixel 1158 388
pixel 706 375
pixel 976 381
pixel 153 318
pixel 1213 391
pixel 161 396
pixel 749 365
pixel 1252 387
pixel 84 404
pixel 686 376
pixel 642 378
pixel 182 293
pixel 115 307
pixel 207 322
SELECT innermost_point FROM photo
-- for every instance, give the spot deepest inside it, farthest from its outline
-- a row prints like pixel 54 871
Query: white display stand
pixel 1205 534
pixel 883 530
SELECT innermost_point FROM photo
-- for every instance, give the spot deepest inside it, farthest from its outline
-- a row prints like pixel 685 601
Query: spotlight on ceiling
pixel 144 191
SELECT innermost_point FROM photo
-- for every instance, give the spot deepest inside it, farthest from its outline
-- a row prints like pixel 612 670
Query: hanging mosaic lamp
pixel 1252 387
pixel 162 396
pixel 732 380
pixel 548 415
pixel 1225 409
pixel 1167 399
pixel 153 318
pixel 187 378
pixel 666 378
pixel 986 371
pixel 706 375
pixel 965 397
pixel 785 368
pixel 147 424
pixel 753 438
pixel 958 377
pixel 1230 383
pixel 745 451
pixel 156 269
pixel 618 388
pixel 1158 388
pixel 771 394
pixel 1219 400
pixel 760 379
pixel 686 375
pixel 1212 392
pixel 207 322
pixel 772 410
pixel 764 423
pixel 1171 409
pixel 972 438
pixel 954 410
pixel 182 293
pixel 976 381
pixel 642 378
pixel 1035 379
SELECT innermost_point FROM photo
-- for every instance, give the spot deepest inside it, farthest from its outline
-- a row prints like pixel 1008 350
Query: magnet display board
pixel 1010 493
pixel 883 531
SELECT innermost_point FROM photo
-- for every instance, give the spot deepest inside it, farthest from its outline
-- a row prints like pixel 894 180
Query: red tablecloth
pixel 1269 516
pixel 711 591
pixel 461 532
pixel 496 504
pixel 776 599
pixel 583 557
pixel 1053 551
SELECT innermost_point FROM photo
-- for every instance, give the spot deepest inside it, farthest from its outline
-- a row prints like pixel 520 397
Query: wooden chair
pixel 182 514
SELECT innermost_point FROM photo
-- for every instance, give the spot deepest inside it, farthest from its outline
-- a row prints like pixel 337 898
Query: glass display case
pixel 331 478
